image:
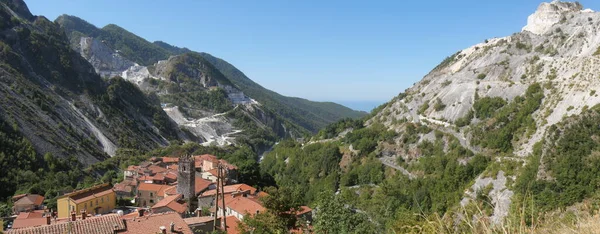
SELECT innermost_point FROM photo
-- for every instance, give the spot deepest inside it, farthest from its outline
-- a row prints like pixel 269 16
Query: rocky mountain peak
pixel 19 7
pixel 548 14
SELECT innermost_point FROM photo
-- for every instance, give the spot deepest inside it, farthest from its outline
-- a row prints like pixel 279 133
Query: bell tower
pixel 186 180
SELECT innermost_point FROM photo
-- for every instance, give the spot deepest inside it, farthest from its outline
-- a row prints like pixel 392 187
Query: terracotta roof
pixel 152 223
pixel 30 219
pixel 197 220
pixel 231 188
pixel 172 202
pixel 244 205
pixel 171 175
pixel 303 210
pixel 173 167
pixel 84 195
pixel 124 186
pixel 201 184
pixel 32 214
pixel 17 197
pixel 171 190
pixel 232 225
pixel 156 169
pixel 132 168
pixel 170 159
pixel 106 224
pixel 29 199
pixel 199 161
pixel 159 189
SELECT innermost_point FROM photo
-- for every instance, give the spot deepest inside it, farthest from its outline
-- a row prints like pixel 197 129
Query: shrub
pixel 487 106
pixel 423 108
pixel 481 76
pixel 439 105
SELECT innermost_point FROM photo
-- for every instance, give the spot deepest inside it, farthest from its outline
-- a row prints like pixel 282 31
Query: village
pixel 187 194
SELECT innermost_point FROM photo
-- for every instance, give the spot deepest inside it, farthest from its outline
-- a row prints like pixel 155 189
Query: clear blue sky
pixel 344 51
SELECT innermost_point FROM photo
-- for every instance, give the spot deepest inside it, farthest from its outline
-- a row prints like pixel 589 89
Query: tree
pixel 280 215
pixel 333 216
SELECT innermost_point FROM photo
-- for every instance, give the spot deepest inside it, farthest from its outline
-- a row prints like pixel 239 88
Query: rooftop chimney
pixel 48 219
pixel 163 229
pixel 83 214
pixel 172 227
pixel 140 212
pixel 73 216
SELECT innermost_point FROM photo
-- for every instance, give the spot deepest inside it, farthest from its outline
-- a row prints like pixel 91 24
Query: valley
pixel 500 137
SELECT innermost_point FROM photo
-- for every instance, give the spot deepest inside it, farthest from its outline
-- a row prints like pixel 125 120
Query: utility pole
pixel 222 175
pixel 216 205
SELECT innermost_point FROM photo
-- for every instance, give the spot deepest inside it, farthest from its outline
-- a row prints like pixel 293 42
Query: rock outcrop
pixel 107 62
pixel 549 14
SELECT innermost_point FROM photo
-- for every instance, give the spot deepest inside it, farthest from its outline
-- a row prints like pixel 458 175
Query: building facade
pixel 99 199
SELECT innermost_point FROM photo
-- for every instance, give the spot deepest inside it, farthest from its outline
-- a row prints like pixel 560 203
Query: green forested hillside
pixel 308 114
pixel 131 46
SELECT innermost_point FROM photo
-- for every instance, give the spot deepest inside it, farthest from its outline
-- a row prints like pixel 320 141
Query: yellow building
pixel 100 199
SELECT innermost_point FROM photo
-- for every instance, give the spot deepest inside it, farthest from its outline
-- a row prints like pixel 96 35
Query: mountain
pixel 307 114
pixel 55 104
pixel 514 99
pixel 502 136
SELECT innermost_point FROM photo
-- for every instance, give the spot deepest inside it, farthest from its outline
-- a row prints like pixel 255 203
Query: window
pixel 96 202
pixel 151 194
pixel 101 200
pixel 91 203
pixel 151 201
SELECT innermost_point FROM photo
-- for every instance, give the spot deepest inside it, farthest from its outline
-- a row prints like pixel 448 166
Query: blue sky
pixel 345 51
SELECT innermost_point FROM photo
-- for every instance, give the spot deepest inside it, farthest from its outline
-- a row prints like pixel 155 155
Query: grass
pixel 557 222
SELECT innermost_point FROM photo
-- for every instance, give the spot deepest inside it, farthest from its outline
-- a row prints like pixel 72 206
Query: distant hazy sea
pixel 361 105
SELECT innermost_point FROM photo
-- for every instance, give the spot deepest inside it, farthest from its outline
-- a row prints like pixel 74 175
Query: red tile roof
pixel 243 205
pixel 17 197
pixel 32 214
pixel 173 203
pixel 201 185
pixel 84 195
pixel 152 223
pixel 159 189
pixel 232 225
pixel 106 224
pixel 29 199
pixel 132 168
pixel 170 159
pixel 125 186
pixel 197 220
pixel 156 169
pixel 231 188
pixel 171 190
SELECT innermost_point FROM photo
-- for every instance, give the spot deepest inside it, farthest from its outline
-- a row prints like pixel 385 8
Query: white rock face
pixel 558 49
pixel 549 14
pixel 215 129
pixel 108 63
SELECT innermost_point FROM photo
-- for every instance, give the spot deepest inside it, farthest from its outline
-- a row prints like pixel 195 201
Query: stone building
pixel 186 180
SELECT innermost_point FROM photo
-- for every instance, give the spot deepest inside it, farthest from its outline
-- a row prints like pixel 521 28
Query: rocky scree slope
pixel 53 97
pixel 500 97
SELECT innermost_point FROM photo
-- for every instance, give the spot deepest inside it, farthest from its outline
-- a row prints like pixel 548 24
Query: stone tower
pixel 186 179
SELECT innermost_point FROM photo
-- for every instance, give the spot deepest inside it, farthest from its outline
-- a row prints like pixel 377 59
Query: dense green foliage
pixel 335 217
pixel 510 122
pixel 366 139
pixel 385 199
pixel 572 161
pixel 487 106
pixel 336 128
pixel 309 115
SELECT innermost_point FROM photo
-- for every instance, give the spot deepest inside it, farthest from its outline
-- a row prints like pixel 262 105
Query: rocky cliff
pixel 53 97
pixel 500 97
